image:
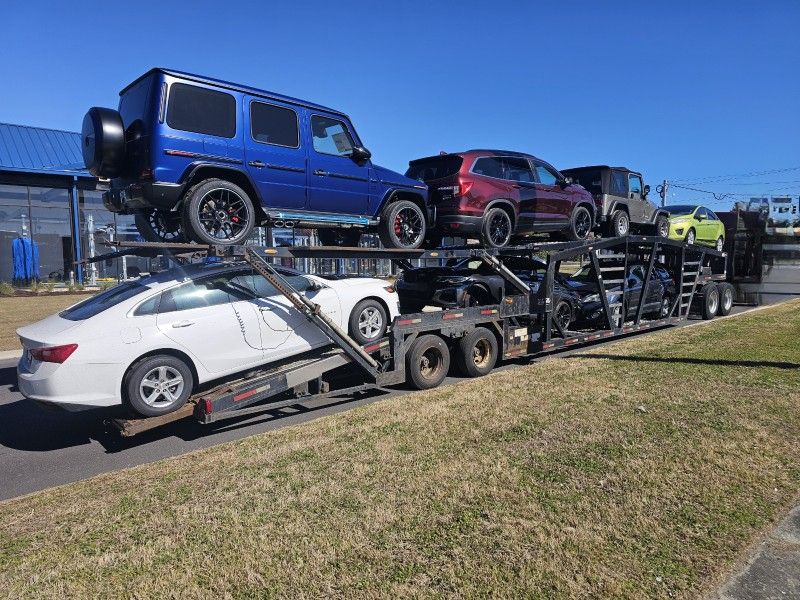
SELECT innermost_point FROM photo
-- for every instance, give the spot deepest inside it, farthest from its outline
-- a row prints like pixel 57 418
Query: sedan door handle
pixel 180 324
pixel 257 163
pixel 320 173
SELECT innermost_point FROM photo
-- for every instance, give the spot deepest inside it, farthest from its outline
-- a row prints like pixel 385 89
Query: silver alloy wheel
pixel 690 237
pixel 720 244
pixel 665 306
pixel 623 225
pixel 161 386
pixel 663 228
pixel 370 322
pixel 727 298
pixel 223 213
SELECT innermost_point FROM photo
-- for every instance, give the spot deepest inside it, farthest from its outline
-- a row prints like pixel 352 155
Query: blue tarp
pixel 25 255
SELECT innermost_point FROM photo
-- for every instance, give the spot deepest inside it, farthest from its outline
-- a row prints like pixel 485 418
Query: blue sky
pixel 686 91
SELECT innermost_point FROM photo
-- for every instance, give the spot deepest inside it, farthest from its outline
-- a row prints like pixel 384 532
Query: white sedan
pixel 149 343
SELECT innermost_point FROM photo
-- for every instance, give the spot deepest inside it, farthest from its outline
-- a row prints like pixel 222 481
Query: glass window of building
pixel 51 231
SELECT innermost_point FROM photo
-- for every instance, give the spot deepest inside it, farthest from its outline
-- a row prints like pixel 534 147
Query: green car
pixel 696 225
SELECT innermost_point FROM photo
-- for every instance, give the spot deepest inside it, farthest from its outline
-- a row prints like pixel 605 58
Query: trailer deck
pixel 521 325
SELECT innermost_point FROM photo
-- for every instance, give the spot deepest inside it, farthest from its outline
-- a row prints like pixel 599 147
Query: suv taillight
pixel 53 354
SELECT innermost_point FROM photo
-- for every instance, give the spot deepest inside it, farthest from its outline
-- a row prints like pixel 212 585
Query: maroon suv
pixel 495 195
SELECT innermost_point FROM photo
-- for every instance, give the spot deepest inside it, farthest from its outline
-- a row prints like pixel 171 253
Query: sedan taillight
pixel 53 354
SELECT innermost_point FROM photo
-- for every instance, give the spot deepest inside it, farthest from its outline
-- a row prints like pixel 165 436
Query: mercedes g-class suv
pixel 621 200
pixel 195 158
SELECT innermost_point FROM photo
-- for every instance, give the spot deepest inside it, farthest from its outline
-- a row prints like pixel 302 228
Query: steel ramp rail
pixel 313 313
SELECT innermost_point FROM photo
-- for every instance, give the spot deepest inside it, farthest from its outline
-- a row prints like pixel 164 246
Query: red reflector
pixel 208 408
pixel 54 354
pixel 455 225
pixel 244 395
pixel 448 316
pixel 179 153
pixel 371 348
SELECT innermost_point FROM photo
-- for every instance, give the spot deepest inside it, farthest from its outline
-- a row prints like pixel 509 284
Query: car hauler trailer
pixel 419 346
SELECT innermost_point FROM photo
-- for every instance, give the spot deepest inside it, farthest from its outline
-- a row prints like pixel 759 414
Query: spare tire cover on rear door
pixel 103 142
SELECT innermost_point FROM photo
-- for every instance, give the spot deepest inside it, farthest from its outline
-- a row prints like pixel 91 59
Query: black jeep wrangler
pixel 621 200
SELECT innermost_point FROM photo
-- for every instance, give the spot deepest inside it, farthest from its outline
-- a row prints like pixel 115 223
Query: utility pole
pixel 662 191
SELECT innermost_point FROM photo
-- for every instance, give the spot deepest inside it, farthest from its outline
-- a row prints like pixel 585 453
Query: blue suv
pixel 199 159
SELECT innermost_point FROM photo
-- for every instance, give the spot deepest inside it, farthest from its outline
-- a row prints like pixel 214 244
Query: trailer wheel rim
pixel 583 223
pixel 168 229
pixel 499 228
pixel 713 302
pixel 223 214
pixel 430 363
pixel 482 353
pixel 370 322
pixel 161 386
pixel 408 225
pixel 727 299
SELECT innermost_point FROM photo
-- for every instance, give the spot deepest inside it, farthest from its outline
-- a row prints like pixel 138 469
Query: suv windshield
pixel 102 301
pixel 435 167
pixel 681 210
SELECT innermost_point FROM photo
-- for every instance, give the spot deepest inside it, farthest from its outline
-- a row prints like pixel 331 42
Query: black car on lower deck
pixel 660 293
pixel 470 282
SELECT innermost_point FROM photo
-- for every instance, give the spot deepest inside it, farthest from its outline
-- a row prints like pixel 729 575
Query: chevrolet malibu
pixel 147 344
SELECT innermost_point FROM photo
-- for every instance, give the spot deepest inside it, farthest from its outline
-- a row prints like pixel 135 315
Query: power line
pixel 713 178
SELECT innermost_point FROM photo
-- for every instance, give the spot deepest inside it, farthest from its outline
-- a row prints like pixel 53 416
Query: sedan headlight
pixel 592 298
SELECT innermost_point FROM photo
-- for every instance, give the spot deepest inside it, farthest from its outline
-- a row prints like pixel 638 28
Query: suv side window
pixel 618 183
pixel 634 184
pixel 275 125
pixel 517 169
pixel 192 108
pixel 545 174
pixel 489 166
pixel 331 136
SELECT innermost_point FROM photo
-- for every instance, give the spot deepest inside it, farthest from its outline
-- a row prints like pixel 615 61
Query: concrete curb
pixel 10 354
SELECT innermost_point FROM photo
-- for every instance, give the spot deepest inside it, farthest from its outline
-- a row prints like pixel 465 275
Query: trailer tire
pixel 726 295
pixel 710 301
pixel 427 362
pixel 477 353
pixel 153 373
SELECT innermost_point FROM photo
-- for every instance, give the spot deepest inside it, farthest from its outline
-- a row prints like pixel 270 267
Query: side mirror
pixel 360 155
pixel 646 191
pixel 700 217
pixel 565 183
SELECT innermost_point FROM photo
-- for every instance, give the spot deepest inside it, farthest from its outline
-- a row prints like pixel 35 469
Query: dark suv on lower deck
pixel 498 195
pixel 196 158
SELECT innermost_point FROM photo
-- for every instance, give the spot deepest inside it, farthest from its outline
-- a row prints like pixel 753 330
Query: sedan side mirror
pixel 360 155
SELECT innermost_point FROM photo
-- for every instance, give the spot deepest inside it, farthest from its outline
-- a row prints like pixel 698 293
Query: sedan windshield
pixel 681 210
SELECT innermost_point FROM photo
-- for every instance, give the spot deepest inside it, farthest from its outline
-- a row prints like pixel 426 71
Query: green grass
pixel 17 311
pixel 640 470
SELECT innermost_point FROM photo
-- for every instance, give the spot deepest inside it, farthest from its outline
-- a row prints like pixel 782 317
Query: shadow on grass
pixel 719 362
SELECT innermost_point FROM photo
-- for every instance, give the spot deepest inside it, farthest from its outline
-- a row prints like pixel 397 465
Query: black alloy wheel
pixel 563 314
pixel 496 228
pixel 402 225
pixel 580 224
pixel 159 226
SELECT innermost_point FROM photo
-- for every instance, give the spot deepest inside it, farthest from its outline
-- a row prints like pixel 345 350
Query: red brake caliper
pixel 398 225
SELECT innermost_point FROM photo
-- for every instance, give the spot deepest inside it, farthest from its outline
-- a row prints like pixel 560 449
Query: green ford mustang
pixel 696 224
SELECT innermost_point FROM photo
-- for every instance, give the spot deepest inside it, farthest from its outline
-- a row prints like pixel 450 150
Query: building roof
pixel 37 150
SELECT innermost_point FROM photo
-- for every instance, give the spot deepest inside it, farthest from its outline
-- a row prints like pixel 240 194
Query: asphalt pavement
pixel 45 447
